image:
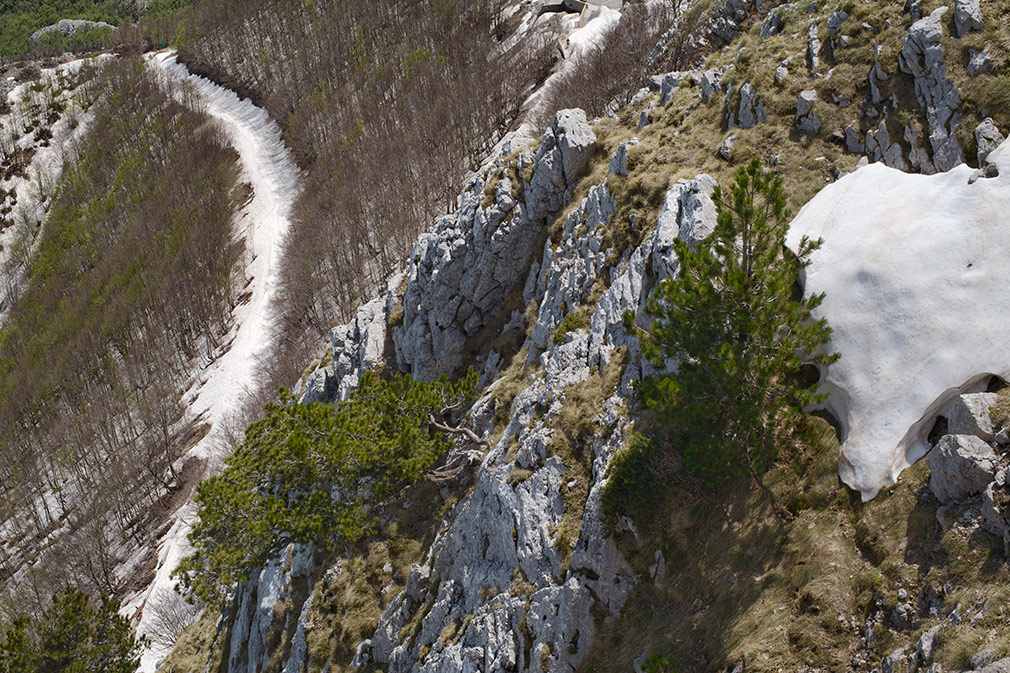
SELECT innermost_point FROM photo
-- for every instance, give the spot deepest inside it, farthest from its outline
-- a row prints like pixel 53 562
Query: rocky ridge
pixel 521 599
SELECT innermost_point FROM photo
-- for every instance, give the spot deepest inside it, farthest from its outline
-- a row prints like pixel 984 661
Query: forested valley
pixel 129 287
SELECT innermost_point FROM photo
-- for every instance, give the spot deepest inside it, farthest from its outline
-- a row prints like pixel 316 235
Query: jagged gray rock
pixel 319 387
pixel 709 81
pixel 726 149
pixel 688 214
pixel 69 28
pixel 253 617
pixel 967 16
pixel 503 529
pixel 751 110
pixel 619 162
pixel 806 120
pixel 996 508
pixel 774 23
pixel 922 57
pixel 813 48
pixel 987 138
pixel 917 155
pixel 913 8
pixel 969 415
pixel 781 73
pixel 981 659
pixel 359 346
pixel 836 20
pixel 926 645
pixel 853 143
pixel 876 76
pixel 669 84
pixel 979 62
pixel 460 274
pixel 961 467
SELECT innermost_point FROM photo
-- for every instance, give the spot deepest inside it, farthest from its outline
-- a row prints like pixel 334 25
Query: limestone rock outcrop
pixel 922 58
pixel 460 274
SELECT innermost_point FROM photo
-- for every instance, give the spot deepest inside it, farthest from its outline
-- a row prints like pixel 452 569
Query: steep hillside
pixel 515 567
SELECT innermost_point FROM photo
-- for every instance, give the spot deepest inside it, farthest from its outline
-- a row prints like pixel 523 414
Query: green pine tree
pixel 71 636
pixel 737 338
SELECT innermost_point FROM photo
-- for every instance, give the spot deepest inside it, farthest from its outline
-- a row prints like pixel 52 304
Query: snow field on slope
pixel 221 389
pixel 915 273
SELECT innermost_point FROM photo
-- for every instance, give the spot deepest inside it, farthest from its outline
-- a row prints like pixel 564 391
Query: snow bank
pixel 220 391
pixel 915 270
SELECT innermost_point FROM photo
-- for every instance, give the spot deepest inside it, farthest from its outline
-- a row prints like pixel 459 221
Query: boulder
pixel 961 467
pixel 914 9
pixel 619 162
pixel 806 120
pixel 918 157
pixel 979 62
pixel 576 141
pixel 876 76
pixel 774 23
pixel 358 347
pixel 669 85
pixel 853 143
pixel 318 388
pixel 969 415
pixel 981 659
pixel 751 110
pixel 967 16
pixel 688 212
pixel 987 138
pixel 925 647
pixel 813 48
pixel 643 120
pixel 836 20
pixel 781 73
pixel 709 82
pixel 726 149
pixel 1000 666
pixel 996 507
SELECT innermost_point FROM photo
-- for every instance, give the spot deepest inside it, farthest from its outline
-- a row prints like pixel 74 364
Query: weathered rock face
pixel 253 620
pixel 961 467
pixel 460 274
pixel 922 57
pixel 505 571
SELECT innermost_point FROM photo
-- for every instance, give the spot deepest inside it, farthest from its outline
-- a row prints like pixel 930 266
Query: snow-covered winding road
pixel 219 393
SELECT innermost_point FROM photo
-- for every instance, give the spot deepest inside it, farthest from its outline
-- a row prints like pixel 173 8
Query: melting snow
pixel 915 271
pixel 221 390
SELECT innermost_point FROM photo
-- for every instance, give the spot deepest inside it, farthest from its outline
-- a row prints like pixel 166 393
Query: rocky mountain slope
pixel 502 559
pixel 512 568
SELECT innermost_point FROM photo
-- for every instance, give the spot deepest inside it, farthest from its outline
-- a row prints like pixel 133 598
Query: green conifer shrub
pixel 314 474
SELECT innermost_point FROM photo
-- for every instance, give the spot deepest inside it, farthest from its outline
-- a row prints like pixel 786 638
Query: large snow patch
pixel 916 271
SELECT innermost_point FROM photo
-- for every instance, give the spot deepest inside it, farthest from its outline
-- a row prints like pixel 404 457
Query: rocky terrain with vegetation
pixel 703 374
